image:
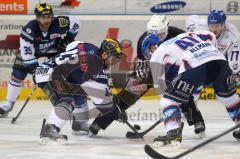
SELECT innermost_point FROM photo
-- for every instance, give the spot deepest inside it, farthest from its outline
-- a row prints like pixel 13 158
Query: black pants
pixel 127 98
pixel 215 72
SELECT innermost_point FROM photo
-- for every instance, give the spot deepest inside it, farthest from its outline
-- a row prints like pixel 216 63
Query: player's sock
pixel 14 89
pixel 55 120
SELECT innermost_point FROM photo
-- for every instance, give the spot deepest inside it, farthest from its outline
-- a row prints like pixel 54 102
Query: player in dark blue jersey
pixel 158 31
pixel 76 73
pixel 45 36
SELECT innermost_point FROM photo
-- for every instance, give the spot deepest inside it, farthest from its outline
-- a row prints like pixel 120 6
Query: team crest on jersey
pixel 28 30
pixel 63 22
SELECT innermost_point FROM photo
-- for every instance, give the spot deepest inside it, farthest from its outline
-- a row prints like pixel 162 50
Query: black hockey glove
pixel 62 44
pixel 142 69
pixel 122 117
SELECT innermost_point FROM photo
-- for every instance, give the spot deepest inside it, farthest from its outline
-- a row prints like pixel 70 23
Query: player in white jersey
pixel 201 63
pixel 226 33
pixel 227 39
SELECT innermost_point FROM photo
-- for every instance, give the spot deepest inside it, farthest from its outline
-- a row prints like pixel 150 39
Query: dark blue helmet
pixel 147 42
pixel 216 17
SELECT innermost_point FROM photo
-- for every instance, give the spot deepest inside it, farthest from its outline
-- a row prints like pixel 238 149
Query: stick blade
pixel 133 135
pixel 154 154
pixel 13 120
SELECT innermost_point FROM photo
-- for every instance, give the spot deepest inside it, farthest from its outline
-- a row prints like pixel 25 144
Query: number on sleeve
pixel 27 50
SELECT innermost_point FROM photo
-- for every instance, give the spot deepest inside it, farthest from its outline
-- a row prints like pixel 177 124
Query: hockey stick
pixel 24 105
pixel 224 52
pixel 131 127
pixel 134 135
pixel 152 153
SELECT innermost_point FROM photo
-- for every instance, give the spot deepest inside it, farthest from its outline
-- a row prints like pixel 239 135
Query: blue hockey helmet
pixel 216 17
pixel 148 41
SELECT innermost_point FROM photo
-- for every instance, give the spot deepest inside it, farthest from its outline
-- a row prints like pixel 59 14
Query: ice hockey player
pixel 157 28
pixel 201 63
pixel 78 71
pixel 42 37
pixel 227 37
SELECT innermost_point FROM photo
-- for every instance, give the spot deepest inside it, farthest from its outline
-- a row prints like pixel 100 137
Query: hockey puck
pixel 137 127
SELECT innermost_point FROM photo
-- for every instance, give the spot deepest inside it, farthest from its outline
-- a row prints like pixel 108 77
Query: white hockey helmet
pixel 158 24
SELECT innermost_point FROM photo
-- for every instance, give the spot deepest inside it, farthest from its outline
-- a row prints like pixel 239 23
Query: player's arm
pixel 27 50
pixel 160 60
pixel 69 26
pixel 74 28
pixel 234 59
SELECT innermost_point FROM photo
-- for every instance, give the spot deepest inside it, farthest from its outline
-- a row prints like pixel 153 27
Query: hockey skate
pixel 5 109
pixel 79 126
pixel 199 129
pixel 236 134
pixel 50 132
pixel 93 129
pixel 173 138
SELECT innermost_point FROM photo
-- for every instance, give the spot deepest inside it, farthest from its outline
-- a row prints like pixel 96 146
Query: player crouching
pixel 201 63
pixel 76 72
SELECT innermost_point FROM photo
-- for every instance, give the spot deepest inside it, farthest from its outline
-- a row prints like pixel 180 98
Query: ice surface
pixel 20 140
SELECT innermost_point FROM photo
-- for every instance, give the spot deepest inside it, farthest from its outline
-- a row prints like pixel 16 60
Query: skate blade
pixel 91 135
pixel 159 144
pixel 5 115
pixel 77 133
pixel 48 141
pixel 201 135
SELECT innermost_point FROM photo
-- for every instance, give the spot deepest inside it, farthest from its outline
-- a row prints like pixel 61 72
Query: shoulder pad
pixel 28 31
pixel 62 21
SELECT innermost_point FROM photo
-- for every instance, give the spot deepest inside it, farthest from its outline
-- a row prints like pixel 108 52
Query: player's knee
pixel 80 101
pixel 104 107
pixel 165 102
pixel 18 75
pixel 64 108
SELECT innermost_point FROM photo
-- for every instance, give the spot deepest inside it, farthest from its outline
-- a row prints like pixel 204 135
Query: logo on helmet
pixel 168 7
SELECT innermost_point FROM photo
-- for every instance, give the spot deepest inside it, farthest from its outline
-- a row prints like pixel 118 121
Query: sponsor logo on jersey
pixel 27 35
pixel 54 36
pixel 46 46
pixel 168 6
pixel 13 7
pixel 102 76
pixel 41 70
